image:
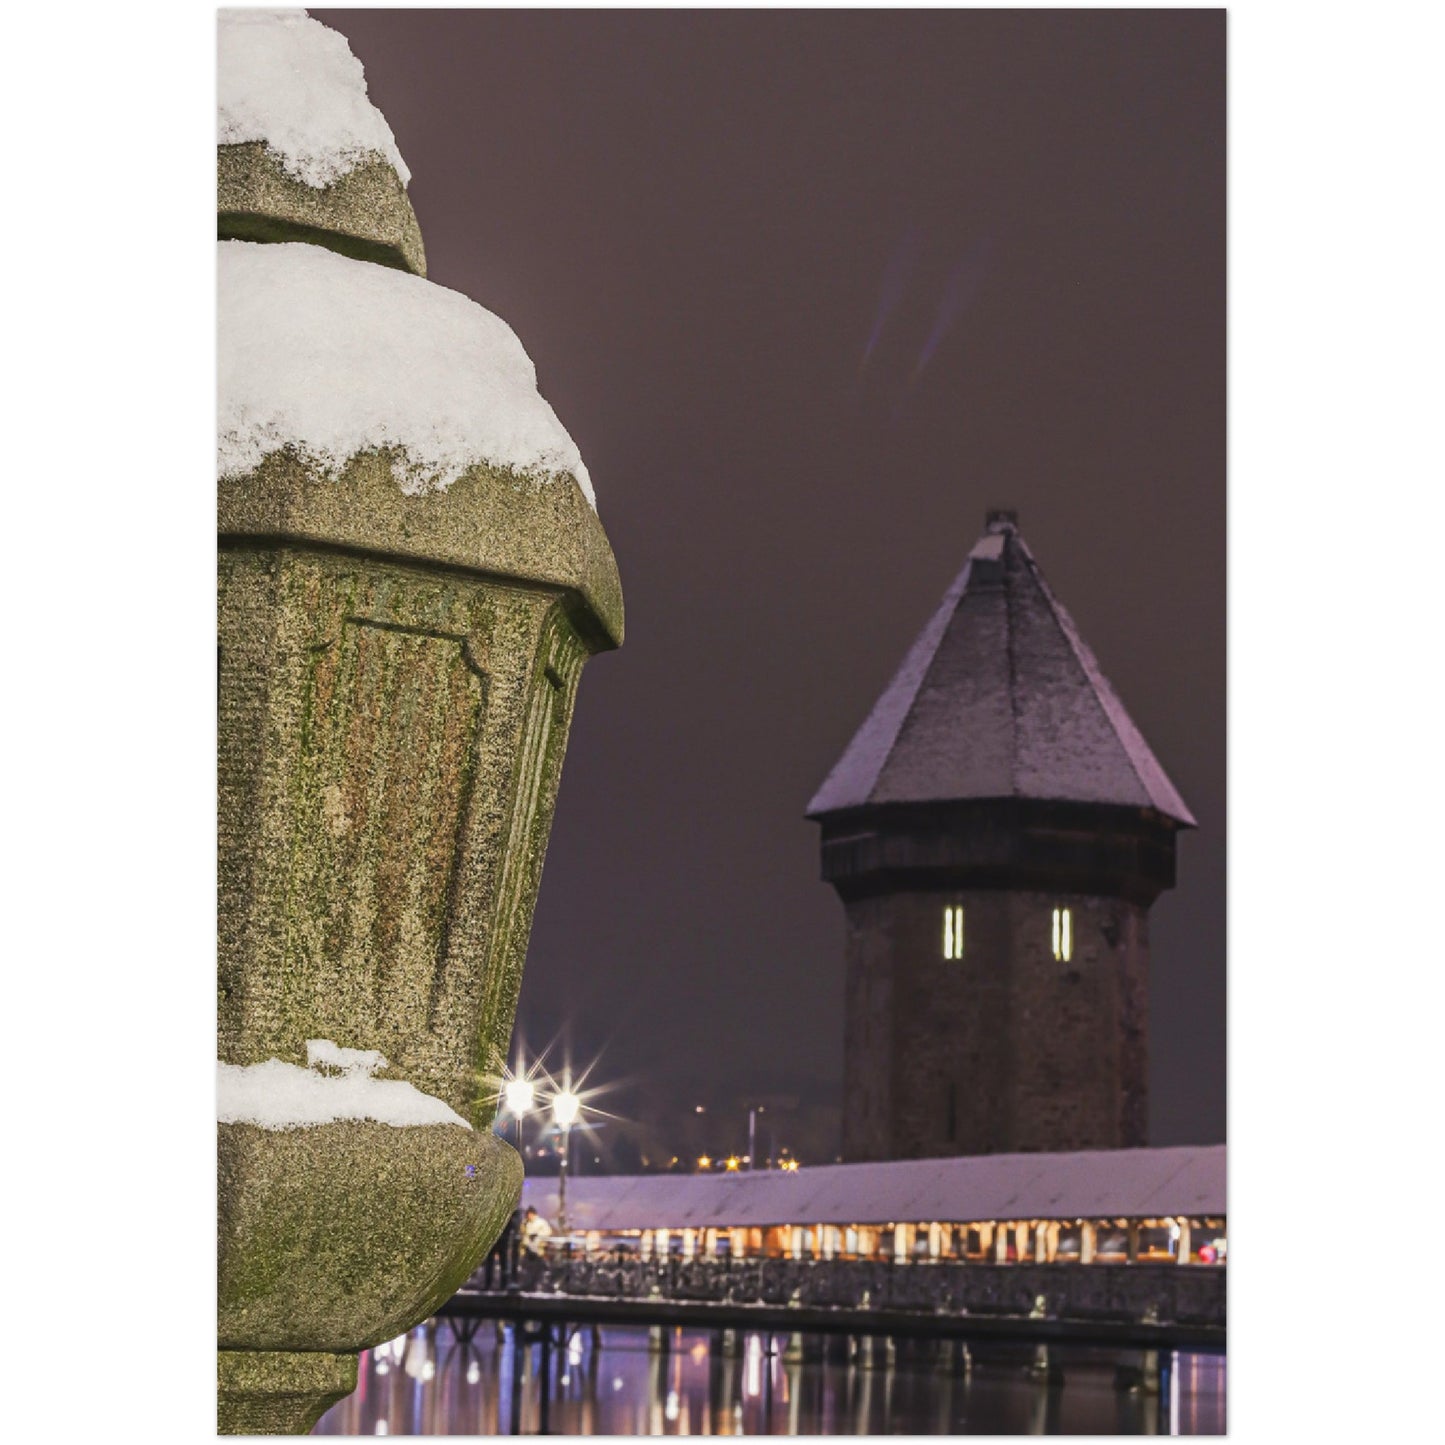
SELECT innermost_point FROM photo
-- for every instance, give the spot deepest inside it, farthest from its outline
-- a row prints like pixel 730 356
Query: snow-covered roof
pixel 999 697
pixel 1096 1184
pixel 291 82
pixel 332 356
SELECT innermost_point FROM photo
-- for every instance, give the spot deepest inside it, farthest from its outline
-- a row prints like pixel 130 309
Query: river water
pixel 431 1382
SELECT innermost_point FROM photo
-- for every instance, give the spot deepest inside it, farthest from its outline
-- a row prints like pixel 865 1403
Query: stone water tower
pixel 997 831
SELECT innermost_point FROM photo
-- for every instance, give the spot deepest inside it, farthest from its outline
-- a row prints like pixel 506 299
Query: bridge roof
pixel 1097 1184
pixel 999 697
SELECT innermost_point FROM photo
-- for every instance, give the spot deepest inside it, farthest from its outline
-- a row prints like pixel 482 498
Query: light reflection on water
pixel 433 1383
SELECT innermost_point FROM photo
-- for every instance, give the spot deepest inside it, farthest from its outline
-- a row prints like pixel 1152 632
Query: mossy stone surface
pixel 391 744
pixel 337 1237
pixel 261 1393
pixel 365 213
pixel 490 520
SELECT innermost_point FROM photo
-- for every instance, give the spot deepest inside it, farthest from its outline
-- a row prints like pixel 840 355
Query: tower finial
pixel 998 519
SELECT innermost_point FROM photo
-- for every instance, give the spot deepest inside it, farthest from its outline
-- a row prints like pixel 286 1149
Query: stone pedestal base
pixel 271 1392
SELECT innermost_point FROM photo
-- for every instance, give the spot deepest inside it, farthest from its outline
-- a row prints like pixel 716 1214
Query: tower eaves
pixel 999 697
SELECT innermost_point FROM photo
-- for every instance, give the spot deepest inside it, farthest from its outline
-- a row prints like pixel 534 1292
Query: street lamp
pixel 565 1107
pixel 518 1096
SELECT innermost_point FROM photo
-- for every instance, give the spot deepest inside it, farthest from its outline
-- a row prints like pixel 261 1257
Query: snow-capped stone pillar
pixel 411 575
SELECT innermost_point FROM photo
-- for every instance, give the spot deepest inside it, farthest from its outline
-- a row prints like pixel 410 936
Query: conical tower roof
pixel 999 698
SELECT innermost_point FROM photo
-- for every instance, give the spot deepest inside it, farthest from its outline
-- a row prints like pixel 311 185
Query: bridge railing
pixel 1061 1291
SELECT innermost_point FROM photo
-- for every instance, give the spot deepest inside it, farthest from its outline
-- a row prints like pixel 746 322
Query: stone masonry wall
pixel 1006 1049
pixel 1079 1080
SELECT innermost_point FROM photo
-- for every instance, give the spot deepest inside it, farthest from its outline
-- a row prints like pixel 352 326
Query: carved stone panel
pixel 392 743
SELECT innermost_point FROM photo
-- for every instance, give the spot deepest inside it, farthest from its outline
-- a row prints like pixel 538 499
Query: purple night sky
pixel 811 290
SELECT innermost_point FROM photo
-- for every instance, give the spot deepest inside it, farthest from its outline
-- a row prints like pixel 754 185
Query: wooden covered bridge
pixel 1121 1245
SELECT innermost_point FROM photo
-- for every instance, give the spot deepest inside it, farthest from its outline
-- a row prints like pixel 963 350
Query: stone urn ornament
pixel 411 574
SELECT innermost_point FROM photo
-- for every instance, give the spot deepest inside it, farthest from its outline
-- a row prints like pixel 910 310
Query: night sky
pixel 811 291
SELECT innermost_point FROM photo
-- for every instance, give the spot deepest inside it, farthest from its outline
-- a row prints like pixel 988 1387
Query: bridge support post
pixel 544 1382
pixel 519 1349
pixel 1140 1379
pixel 659 1340
pixel 1149 1381
pixel 1045 1369
pixel 1045 1410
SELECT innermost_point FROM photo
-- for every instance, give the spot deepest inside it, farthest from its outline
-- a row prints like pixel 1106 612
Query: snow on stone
pixel 322 1053
pixel 277 1095
pixel 292 82
pixel 333 357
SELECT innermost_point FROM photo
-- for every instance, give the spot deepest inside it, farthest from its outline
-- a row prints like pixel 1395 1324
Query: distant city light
pixel 704 1162
pixel 733 1162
